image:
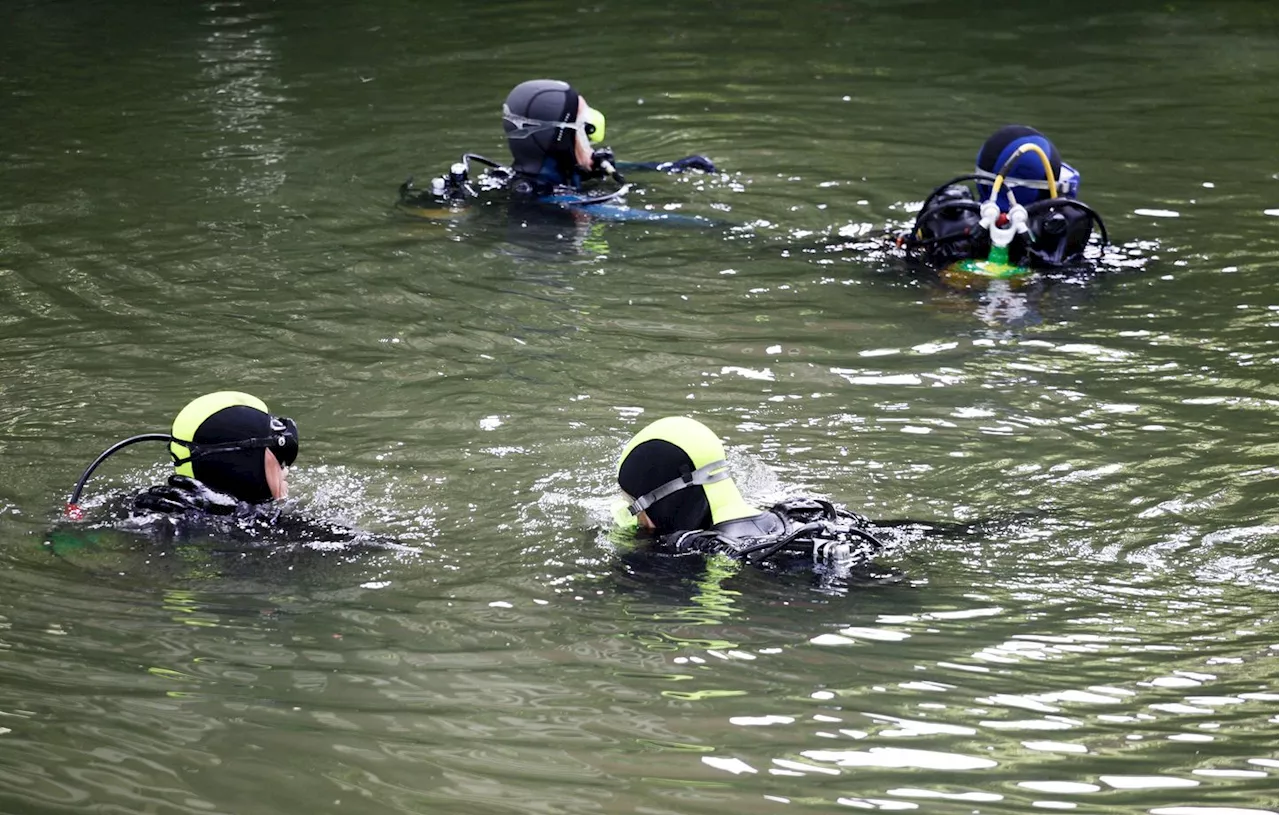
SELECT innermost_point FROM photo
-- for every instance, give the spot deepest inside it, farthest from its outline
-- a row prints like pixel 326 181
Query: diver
pixel 231 458
pixel 678 488
pixel 556 143
pixel 1025 215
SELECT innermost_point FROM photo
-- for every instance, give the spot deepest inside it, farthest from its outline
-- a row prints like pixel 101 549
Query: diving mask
pixel 1067 184
pixel 285 435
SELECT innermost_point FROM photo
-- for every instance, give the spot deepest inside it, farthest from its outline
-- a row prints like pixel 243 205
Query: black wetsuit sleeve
pixel 951 529
pixel 679 165
pixel 301 529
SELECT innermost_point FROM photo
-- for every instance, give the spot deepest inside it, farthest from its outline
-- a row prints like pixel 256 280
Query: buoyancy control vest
pixel 948 230
pixel 790 532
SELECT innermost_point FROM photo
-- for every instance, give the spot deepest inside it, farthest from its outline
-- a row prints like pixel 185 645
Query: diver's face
pixel 277 476
pixel 581 143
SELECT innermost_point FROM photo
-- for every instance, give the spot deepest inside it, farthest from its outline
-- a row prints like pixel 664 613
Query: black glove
pixel 688 163
pixel 600 157
pixel 602 161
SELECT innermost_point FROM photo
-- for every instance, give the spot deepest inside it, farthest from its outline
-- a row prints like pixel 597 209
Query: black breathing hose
pixel 73 508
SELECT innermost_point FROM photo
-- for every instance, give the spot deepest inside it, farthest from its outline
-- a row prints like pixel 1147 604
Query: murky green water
pixel 196 196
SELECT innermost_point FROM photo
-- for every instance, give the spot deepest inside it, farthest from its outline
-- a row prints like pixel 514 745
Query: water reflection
pixel 240 87
pixel 943 712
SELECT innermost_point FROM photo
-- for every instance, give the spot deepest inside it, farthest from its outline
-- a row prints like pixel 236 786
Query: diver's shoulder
pixel 182 494
pixel 760 525
pixel 187 509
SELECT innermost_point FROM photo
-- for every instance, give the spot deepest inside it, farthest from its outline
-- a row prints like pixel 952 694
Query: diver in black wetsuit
pixel 1025 215
pixel 551 132
pixel 678 488
pixel 231 458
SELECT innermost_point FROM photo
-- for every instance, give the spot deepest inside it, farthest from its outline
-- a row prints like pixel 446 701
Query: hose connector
pixel 1003 227
pixel 988 213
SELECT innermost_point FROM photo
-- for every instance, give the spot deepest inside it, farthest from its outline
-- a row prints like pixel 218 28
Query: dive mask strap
pixel 706 474
pixel 1067 183
pixel 201 450
pixel 526 127
pixel 592 125
pixel 283 442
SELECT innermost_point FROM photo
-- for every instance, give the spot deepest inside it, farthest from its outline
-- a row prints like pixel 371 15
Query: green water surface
pixel 197 196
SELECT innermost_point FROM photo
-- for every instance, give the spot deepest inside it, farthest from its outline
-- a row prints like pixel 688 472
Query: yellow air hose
pixel 1044 160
